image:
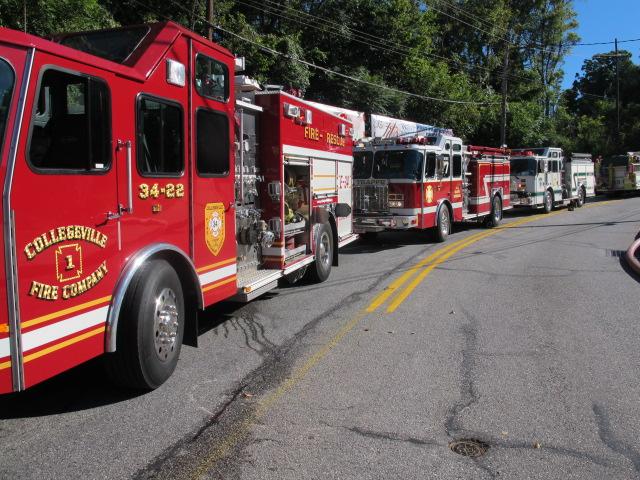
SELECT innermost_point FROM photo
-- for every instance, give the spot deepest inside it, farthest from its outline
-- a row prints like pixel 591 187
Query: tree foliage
pixel 450 49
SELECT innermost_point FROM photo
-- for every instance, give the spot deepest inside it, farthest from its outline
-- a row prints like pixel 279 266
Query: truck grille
pixel 370 196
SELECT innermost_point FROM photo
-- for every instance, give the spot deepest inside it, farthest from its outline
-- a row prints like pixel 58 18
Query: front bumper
pixel 521 199
pixel 385 222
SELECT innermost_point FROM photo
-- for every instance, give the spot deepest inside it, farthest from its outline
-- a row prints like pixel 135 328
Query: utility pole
pixel 503 117
pixel 210 19
pixel 617 56
pixel 617 94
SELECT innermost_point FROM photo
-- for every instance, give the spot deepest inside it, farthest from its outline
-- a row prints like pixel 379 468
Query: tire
pixel 444 224
pixel 150 329
pixel 582 197
pixel 495 217
pixel 319 270
pixel 548 201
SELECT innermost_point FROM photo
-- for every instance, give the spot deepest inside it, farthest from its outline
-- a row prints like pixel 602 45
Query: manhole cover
pixel 469 447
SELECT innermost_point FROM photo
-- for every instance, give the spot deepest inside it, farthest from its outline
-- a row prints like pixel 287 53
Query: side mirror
pixel 343 210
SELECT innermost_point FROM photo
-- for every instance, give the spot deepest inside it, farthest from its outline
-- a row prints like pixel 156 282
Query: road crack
pixel 608 437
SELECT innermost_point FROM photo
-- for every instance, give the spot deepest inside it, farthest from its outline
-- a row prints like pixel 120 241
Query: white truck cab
pixel 544 178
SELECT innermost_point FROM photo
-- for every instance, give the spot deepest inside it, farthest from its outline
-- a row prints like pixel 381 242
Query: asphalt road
pixel 525 338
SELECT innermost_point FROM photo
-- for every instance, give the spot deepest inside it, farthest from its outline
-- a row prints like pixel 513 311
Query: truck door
pixel 63 192
pixel 213 208
pixel 455 192
pixel 12 65
pixel 443 175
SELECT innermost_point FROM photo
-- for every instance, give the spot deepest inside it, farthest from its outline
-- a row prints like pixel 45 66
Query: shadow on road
pixel 80 388
pixel 87 386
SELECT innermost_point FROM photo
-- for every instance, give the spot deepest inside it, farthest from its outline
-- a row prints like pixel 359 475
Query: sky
pixel 602 21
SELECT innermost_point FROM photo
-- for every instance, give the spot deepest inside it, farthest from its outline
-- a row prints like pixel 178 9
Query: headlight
pixel 396 200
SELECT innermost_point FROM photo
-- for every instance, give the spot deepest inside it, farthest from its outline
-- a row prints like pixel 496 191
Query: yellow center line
pixel 402 296
pixel 396 284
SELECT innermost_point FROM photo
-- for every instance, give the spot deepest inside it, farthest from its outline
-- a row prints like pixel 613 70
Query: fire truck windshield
pixel 116 45
pixel 392 164
pixel 523 166
pixel 362 163
pixel 6 88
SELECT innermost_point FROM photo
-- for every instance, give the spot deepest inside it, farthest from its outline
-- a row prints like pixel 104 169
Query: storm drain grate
pixel 469 447
pixel 616 253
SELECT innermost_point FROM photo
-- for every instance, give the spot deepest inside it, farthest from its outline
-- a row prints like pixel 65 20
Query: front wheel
pixel 548 202
pixel 444 224
pixel 319 270
pixel 494 219
pixel 581 197
pixel 150 328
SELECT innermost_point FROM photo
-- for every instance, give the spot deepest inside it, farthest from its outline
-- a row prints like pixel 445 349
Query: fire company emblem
pixel 429 194
pixel 214 226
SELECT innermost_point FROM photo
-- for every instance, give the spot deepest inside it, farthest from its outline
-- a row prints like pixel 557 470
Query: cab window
pixel 457 165
pixel 430 169
pixel 6 89
pixel 71 124
pixel 160 138
pixel 213 143
pixel 212 78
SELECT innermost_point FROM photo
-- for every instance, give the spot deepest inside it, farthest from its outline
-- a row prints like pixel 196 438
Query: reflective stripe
pixel 217 274
pixel 56 331
pixel 311 152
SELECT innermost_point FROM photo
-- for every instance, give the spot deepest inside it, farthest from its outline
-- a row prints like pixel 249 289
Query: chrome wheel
pixel 497 209
pixel 324 249
pixel 444 221
pixel 166 324
pixel 548 202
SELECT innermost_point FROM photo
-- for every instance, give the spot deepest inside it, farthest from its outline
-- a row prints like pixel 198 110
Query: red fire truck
pixel 427 182
pixel 126 208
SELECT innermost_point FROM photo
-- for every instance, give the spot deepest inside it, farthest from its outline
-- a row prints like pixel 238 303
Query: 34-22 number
pixel 169 190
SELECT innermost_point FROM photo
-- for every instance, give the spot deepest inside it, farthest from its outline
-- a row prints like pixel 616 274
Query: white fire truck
pixel 427 182
pixel 544 178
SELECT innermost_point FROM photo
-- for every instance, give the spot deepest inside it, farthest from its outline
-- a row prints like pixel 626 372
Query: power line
pixel 324 69
pixel 370 43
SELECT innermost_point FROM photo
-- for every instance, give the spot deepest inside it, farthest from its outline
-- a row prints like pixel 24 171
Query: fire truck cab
pixel 124 209
pixel 544 178
pixel 427 182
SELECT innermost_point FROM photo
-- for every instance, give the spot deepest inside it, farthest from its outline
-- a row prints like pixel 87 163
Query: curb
pixel 631 258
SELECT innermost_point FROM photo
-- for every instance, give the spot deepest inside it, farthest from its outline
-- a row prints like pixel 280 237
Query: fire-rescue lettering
pixel 52 292
pixel 61 234
pixel 333 139
pixel 311 133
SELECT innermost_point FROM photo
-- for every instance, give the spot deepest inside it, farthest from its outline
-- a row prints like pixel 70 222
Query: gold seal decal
pixel 429 194
pixel 214 226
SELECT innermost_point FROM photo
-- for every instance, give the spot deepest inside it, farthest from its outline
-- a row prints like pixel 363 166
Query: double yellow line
pixel 416 274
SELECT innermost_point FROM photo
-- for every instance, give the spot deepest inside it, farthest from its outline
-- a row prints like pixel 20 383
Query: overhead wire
pixel 321 68
pixel 371 43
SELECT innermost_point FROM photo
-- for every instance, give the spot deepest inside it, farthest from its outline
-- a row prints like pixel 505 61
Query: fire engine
pixel 544 178
pixel 138 191
pixel 427 182
pixel 619 173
